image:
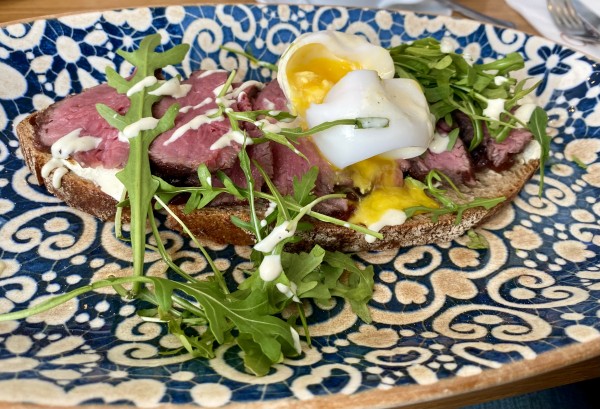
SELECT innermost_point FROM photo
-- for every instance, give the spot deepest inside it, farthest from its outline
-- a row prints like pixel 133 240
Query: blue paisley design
pixel 441 312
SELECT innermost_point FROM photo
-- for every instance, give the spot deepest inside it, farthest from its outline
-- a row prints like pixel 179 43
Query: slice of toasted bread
pixel 213 224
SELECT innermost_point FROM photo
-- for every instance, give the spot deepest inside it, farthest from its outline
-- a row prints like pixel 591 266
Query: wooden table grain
pixel 12 10
pixel 523 377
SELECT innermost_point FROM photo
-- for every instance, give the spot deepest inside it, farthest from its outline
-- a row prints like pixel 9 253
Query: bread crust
pixel 213 224
pixel 77 192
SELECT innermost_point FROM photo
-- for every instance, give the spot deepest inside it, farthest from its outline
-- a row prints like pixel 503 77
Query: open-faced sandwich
pixel 352 147
pixel 461 124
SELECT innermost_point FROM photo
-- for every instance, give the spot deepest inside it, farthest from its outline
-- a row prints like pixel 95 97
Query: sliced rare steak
pixel 271 97
pixel 491 153
pixel 288 165
pixel 465 125
pixel 501 155
pixel 456 164
pixel 340 208
pixel 260 154
pixel 79 112
pixel 177 153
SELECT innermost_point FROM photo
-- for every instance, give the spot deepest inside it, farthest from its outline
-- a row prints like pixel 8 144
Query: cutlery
pixel 570 23
pixel 590 17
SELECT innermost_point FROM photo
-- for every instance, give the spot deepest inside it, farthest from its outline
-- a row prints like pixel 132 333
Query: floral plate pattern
pixel 441 312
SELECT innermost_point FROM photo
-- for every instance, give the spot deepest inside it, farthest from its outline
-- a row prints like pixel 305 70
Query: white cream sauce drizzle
pixel 289 292
pixel 194 124
pixel 499 80
pixel 225 101
pixel 277 235
pixel 296 338
pixel 226 139
pixel 270 209
pixel 141 84
pixel 524 112
pixel 494 108
pixel 72 143
pixel 206 101
pixel 58 175
pixel 106 179
pixel 270 268
pixel 218 90
pixel 392 217
pixel 266 125
pixel 172 88
pixel 244 86
pixel 439 143
pixel 133 130
pixel 208 73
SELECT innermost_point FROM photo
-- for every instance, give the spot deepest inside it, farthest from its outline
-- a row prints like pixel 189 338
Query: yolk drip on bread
pixel 379 178
pixel 373 206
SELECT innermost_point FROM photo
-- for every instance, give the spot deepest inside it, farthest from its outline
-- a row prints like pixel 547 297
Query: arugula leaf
pixel 477 241
pixel 537 124
pixel 359 287
pixel 136 175
pixel 452 137
pixel 450 82
pixel 304 186
pixel 579 162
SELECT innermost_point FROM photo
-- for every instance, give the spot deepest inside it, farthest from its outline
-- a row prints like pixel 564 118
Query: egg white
pixel 362 94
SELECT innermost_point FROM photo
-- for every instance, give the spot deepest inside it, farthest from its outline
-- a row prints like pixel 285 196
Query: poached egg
pixel 330 75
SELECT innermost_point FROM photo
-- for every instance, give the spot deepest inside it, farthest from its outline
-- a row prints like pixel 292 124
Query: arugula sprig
pixel 136 176
pixel 448 205
pixel 248 54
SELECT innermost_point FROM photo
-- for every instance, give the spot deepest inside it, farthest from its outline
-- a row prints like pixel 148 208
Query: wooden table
pixel 511 385
pixel 11 10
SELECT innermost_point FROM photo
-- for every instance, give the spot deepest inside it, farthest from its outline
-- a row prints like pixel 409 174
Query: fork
pixel 570 23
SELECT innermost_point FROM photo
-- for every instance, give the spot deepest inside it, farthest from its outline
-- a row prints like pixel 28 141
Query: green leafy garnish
pixel 537 125
pixel 448 205
pixel 579 162
pixel 477 241
pixel 136 176
pixel 452 82
pixel 248 54
pixel 452 137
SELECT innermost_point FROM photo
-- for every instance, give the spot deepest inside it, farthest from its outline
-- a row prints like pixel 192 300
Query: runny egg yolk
pixel 380 177
pixel 373 206
pixel 374 172
pixel 311 73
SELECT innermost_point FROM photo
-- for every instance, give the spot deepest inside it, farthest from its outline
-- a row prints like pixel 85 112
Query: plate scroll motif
pixel 442 313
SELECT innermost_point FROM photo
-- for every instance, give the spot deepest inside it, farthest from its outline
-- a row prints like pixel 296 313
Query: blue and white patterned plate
pixel 443 314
